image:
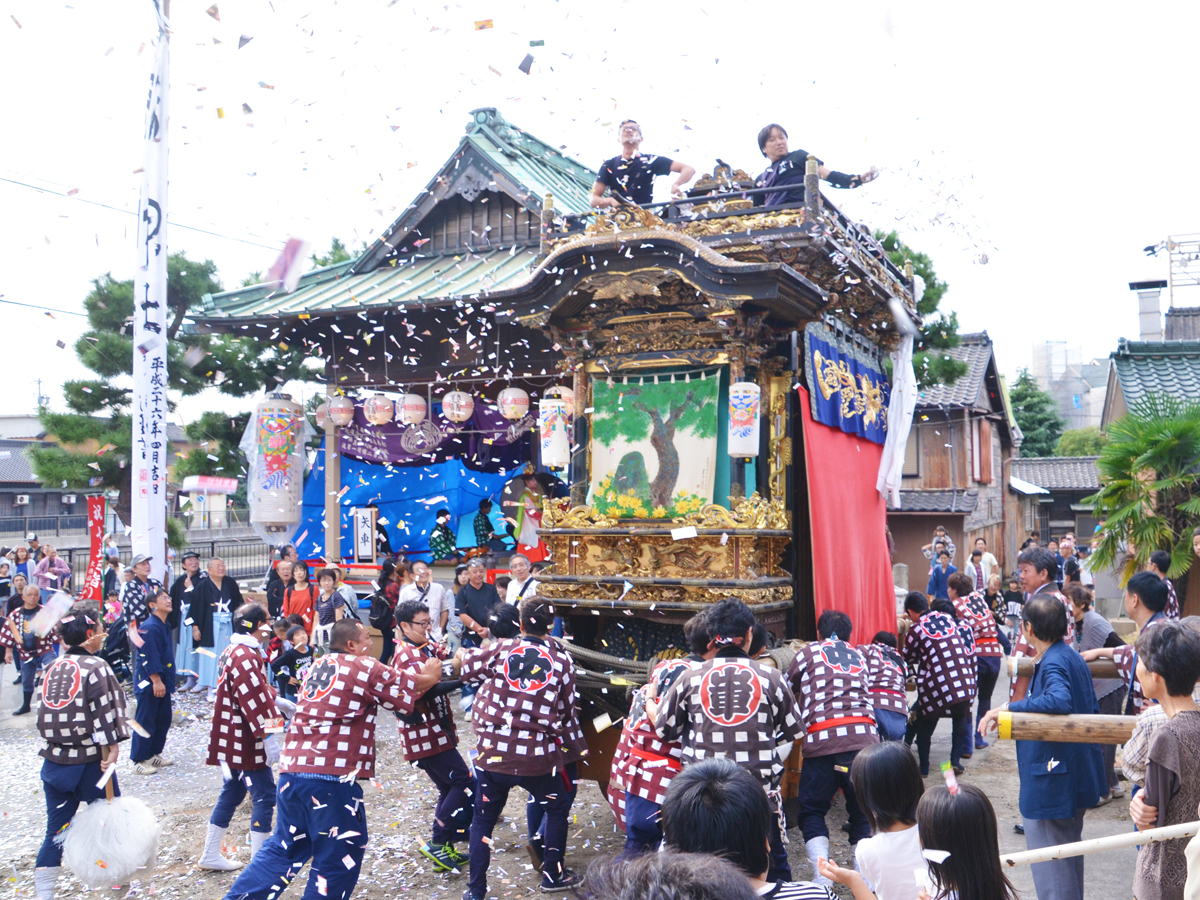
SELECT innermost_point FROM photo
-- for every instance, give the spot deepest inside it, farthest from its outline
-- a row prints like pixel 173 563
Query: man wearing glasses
pixel 630 177
pixel 430 740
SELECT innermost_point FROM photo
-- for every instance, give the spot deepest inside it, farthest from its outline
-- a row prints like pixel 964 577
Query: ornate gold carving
pixel 621 286
pixel 792 218
pixel 752 512
pixel 681 556
pixel 624 218
pixel 577 517
pixel 779 444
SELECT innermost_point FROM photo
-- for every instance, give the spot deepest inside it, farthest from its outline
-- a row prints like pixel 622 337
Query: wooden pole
pixel 1018 726
pixel 812 195
pixel 1022 667
pixel 1096 845
pixel 547 225
pixel 333 487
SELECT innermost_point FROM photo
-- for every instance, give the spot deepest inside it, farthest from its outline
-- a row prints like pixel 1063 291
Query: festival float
pixel 700 388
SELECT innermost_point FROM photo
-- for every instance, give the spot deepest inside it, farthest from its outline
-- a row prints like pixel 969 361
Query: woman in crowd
pixel 219 597
pixel 389 586
pixel 298 598
pixel 327 609
pixel 23 563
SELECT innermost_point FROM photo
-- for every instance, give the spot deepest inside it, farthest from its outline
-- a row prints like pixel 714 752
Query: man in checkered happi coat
pixel 329 747
pixel 945 664
pixel 430 739
pixel 735 707
pixel 82 720
pixel 522 714
pixel 831 683
pixel 239 741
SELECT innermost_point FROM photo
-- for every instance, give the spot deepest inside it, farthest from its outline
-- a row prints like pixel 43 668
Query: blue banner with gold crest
pixel 848 388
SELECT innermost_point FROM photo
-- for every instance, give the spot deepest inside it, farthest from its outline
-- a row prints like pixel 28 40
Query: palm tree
pixel 1149 497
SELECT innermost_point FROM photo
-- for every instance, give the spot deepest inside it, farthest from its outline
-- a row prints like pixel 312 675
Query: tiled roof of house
pixel 1168 367
pixel 1059 473
pixel 15 467
pixel 976 351
pixel 938 501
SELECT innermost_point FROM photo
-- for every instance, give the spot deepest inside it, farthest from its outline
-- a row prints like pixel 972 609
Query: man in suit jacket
pixel 1059 781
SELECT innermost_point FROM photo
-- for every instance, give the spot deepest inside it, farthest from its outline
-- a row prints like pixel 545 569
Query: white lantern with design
pixel 341 410
pixel 514 403
pixel 565 394
pixel 378 410
pixel 412 409
pixel 744 416
pixel 458 406
pixel 274 446
pixel 552 424
pixel 322 411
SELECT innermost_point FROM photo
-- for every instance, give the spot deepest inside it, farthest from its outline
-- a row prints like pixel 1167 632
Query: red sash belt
pixel 654 757
pixel 825 724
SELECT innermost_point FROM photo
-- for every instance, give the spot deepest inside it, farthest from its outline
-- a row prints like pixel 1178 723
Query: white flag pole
pixel 149 451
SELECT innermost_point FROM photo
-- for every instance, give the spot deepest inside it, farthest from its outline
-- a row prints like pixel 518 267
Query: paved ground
pixel 399 812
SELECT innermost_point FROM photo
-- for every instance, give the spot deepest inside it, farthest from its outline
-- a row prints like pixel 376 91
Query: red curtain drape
pixel 851 568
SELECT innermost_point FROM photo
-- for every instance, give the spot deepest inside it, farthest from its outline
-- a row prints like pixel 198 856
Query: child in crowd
pixel 1168 667
pixel 888 787
pixel 964 826
pixel 277 645
pixel 1014 599
pixel 5 581
pixel 112 607
pixel 291 665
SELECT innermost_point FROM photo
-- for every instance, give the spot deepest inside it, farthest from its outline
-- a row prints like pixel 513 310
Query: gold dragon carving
pixel 865 399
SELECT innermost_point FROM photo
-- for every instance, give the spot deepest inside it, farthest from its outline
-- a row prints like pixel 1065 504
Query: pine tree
pixel 1036 416
pixel 95 435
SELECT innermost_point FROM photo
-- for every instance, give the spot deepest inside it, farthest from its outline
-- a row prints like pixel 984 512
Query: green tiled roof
pixel 531 162
pixel 422 279
pixel 1167 367
pixel 531 169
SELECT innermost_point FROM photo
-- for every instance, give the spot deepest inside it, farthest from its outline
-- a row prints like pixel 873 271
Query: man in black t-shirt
pixel 786 171
pixel 630 177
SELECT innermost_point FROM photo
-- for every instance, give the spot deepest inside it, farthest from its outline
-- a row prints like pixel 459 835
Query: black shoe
pixel 924 770
pixel 22 711
pixel 537 851
pixel 467 895
pixel 1019 828
pixel 17 680
pixel 957 770
pixel 567 880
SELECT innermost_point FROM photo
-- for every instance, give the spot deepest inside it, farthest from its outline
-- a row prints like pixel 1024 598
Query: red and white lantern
pixel 322 411
pixel 566 395
pixel 341 410
pixel 514 403
pixel 378 410
pixel 458 406
pixel 412 409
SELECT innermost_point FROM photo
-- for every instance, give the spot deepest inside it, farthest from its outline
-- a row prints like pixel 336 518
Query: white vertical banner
pixel 149 450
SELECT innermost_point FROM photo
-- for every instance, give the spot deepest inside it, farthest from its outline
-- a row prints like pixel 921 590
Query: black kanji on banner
pixel 730 694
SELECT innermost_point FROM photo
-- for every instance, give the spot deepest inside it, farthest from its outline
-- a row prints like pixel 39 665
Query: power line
pixel 65 312
pixel 131 212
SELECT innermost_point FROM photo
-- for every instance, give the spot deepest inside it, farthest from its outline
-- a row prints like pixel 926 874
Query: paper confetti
pixel 483 24
pixel 214 12
pixel 244 40
pixel 526 63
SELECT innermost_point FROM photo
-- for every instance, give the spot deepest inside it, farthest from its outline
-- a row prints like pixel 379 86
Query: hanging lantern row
pixel 341 410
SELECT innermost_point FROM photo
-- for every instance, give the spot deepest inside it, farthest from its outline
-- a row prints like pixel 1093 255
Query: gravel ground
pixel 399 813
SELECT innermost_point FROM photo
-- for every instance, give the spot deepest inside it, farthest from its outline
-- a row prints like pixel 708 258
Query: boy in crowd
pixel 289 667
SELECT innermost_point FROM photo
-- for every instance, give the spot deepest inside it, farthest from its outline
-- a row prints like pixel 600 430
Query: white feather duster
pixel 108 842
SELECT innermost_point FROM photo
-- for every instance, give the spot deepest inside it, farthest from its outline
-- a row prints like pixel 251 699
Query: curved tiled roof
pixel 1167 367
pixel 976 351
pixel 1059 473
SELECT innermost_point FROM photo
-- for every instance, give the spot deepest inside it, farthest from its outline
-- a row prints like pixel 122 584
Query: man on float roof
pixel 630 176
pixel 786 171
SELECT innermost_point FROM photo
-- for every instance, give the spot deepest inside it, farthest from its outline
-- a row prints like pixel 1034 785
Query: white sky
pixel 1052 137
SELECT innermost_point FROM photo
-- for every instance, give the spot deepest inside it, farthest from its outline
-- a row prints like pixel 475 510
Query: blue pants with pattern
pixel 312 816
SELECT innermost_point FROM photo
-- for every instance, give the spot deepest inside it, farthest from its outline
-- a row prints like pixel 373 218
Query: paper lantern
pixel 412 409
pixel 743 419
pixel 378 410
pixel 556 443
pixel 514 403
pixel 566 394
pixel 341 410
pixel 321 413
pixel 458 406
pixel 275 479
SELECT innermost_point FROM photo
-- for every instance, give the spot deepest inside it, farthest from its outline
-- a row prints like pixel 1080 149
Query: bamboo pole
pixel 1097 845
pixel 1022 667
pixel 1018 726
